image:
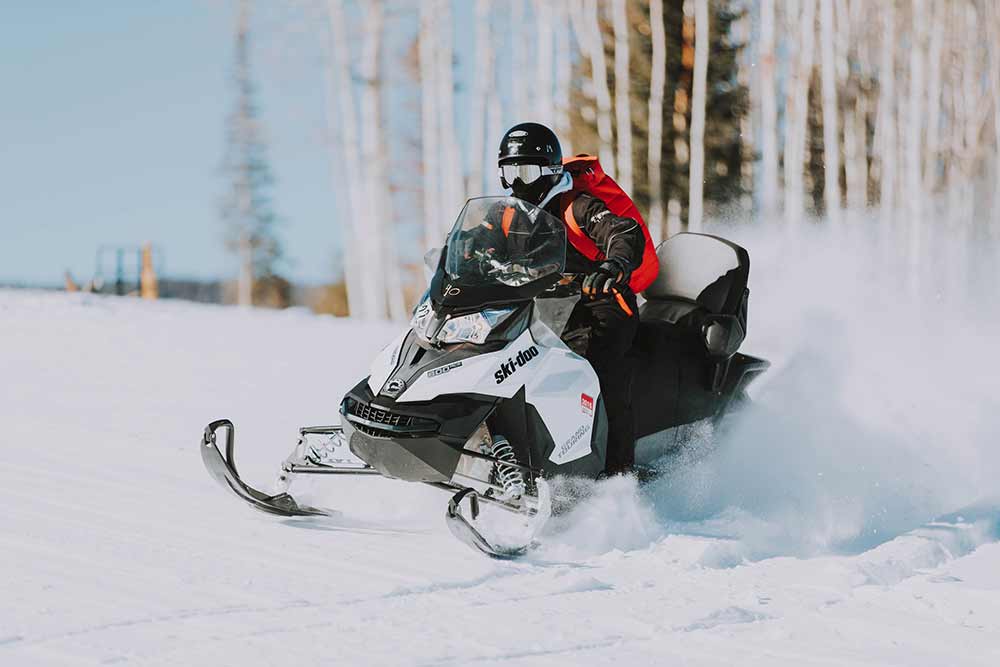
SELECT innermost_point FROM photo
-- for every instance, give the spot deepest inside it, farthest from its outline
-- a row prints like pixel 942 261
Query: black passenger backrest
pixel 697 270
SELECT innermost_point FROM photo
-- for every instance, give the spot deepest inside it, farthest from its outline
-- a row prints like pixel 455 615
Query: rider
pixel 530 165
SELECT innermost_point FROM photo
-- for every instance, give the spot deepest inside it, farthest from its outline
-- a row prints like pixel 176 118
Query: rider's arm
pixel 488 234
pixel 618 237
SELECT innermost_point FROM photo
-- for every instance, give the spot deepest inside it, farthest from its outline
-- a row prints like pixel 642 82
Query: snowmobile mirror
pixel 431 258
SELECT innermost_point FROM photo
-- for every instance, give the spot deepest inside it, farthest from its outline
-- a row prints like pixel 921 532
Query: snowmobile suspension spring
pixel 510 478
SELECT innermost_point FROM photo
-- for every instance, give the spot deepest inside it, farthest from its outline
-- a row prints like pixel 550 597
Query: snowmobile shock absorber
pixel 510 477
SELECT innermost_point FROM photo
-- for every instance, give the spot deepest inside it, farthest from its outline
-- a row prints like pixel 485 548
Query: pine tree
pixel 247 208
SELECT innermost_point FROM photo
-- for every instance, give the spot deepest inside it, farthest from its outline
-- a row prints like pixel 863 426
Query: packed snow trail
pixel 804 536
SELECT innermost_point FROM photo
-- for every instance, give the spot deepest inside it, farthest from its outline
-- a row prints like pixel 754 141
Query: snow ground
pixel 805 537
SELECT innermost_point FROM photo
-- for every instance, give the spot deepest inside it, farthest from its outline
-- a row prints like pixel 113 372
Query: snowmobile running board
pixel 223 470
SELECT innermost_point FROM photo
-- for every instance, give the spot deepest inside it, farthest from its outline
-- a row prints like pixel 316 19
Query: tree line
pixel 784 112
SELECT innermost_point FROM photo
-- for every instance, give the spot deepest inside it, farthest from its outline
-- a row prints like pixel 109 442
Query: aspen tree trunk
pixel 360 279
pixel 855 156
pixel 376 215
pixel 519 58
pixel 658 80
pixel 451 167
pixel 494 123
pixel 993 27
pixel 477 100
pixel 831 140
pixel 887 116
pixel 768 113
pixel 855 168
pixel 623 105
pixel 430 144
pixel 564 75
pixel 699 95
pixel 798 111
pixel 588 34
pixel 932 120
pixel 914 152
pixel 975 109
pixel 543 107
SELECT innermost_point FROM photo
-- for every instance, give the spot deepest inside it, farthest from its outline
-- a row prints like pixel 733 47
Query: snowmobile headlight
pixel 472 328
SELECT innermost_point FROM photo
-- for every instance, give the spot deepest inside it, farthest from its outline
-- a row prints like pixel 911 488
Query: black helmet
pixel 533 160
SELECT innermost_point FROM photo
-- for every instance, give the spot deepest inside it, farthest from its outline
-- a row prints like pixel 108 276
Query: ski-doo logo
pixel 587 404
pixel 434 372
pixel 510 366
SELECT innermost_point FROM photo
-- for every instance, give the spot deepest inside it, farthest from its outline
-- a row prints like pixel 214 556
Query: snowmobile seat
pixel 700 293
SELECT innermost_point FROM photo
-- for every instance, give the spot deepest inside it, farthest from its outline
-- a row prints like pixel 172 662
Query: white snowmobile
pixel 484 396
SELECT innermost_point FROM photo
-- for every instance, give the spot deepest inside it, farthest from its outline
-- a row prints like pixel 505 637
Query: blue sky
pixel 112 118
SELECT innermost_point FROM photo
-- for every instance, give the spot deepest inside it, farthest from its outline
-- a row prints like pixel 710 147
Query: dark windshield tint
pixel 502 240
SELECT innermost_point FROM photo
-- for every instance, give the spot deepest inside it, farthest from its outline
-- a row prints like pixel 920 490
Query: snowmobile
pixel 486 395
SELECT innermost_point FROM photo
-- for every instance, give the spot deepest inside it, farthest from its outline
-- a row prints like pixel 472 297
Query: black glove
pixel 612 274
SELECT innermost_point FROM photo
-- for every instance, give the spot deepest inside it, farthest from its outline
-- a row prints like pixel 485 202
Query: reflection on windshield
pixel 505 241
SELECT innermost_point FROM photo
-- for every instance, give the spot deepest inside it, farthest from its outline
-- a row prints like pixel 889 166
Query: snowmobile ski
pixel 466 533
pixel 223 470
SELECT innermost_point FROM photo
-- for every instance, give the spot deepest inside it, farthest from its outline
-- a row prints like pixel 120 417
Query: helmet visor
pixel 528 173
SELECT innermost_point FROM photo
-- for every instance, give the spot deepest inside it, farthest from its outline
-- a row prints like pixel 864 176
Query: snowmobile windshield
pixel 504 241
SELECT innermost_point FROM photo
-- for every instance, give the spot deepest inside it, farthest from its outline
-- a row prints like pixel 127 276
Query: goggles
pixel 528 173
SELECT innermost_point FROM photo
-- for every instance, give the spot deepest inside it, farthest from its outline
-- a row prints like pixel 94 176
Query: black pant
pixel 612 332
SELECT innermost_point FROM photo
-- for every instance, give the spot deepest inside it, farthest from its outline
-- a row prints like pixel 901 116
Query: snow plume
pixel 880 411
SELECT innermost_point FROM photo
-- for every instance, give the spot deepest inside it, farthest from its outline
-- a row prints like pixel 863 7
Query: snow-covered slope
pixel 803 537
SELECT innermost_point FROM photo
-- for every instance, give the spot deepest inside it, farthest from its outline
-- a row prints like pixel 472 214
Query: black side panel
pixel 510 419
pixel 670 385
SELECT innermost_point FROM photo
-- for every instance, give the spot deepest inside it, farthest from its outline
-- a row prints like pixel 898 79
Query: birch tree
pixel 564 75
pixel 699 94
pixel 831 142
pixel 855 127
pixel 658 80
pixel 623 106
pixel 914 134
pixel 886 114
pixel 429 140
pixel 768 111
pixel 365 285
pixel 543 106
pixel 933 118
pixel 380 247
pixel 451 165
pixel 802 23
pixel 915 116
pixel 341 122
pixel 477 99
pixel 993 27
pixel 519 92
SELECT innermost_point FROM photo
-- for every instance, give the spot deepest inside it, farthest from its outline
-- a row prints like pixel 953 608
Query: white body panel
pixel 385 363
pixel 561 385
